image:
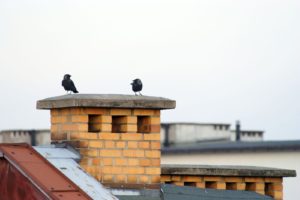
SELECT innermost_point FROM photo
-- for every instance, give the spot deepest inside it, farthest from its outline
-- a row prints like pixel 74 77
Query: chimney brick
pixel 118 136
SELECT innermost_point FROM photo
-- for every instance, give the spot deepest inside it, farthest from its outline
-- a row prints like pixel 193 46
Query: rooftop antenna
pixel 238 131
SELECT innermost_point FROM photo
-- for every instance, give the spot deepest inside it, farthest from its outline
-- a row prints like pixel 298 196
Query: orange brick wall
pixel 267 186
pixel 125 149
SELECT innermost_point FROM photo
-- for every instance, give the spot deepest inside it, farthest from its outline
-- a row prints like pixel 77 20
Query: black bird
pixel 137 86
pixel 68 84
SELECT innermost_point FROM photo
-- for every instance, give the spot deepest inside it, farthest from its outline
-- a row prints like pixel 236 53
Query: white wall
pixel 193 132
pixel 190 133
pixel 18 136
pixel 284 160
pixel 251 138
pixel 43 138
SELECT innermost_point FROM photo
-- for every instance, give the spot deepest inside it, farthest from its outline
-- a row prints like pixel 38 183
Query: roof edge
pixel 106 101
pixel 259 146
pixel 226 170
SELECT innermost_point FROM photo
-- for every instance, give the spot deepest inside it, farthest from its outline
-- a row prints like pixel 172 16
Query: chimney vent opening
pixel 144 124
pixel 118 125
pixel 94 124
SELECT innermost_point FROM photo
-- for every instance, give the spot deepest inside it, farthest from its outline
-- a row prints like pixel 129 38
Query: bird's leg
pixel 135 94
pixel 140 93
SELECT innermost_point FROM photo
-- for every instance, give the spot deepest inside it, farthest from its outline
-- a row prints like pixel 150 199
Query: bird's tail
pixel 76 91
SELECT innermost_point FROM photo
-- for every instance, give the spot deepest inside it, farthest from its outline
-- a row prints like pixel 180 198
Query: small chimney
pixel 118 136
pixel 167 135
pixel 33 134
pixel 237 131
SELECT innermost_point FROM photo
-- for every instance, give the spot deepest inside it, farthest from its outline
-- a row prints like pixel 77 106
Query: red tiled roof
pixel 45 178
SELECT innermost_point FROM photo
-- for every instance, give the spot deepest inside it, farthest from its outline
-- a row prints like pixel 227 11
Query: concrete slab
pixel 226 170
pixel 106 101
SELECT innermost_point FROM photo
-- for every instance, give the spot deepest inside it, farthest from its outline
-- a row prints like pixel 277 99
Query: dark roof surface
pixel 24 130
pixel 172 192
pixel 106 100
pixel 137 198
pixel 249 131
pixel 195 123
pixel 288 145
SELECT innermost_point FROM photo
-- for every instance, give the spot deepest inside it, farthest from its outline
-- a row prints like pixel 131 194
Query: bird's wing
pixel 72 86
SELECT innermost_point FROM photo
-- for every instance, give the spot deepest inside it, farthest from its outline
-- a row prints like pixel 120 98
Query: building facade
pixel 33 137
pixel 276 154
pixel 178 133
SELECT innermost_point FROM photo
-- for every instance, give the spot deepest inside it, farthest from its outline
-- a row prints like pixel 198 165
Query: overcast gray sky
pixel 221 60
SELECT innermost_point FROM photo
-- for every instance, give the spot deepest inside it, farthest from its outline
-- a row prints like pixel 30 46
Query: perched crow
pixel 68 84
pixel 137 86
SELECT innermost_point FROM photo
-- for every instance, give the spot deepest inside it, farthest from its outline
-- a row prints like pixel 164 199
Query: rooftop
pixel 23 130
pixel 63 164
pixel 211 147
pixel 172 192
pixel 46 180
pixel 105 101
pixel 64 158
pixel 226 170
pixel 195 124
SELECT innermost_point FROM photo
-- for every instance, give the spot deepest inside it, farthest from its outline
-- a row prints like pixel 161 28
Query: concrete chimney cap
pixel 106 101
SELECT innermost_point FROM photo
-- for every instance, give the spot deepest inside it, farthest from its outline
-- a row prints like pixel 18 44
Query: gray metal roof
pixel 106 100
pixel 64 160
pixel 172 192
pixel 138 198
pixel 289 145
pixel 23 130
pixel 249 131
pixel 195 123
pixel 51 152
pixel 137 194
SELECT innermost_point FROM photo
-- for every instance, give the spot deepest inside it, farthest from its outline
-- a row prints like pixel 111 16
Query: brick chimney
pixel 118 136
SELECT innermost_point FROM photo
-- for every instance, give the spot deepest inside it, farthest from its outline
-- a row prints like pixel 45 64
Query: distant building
pixel 275 154
pixel 178 133
pixel 183 133
pixel 116 140
pixel 250 135
pixel 32 137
